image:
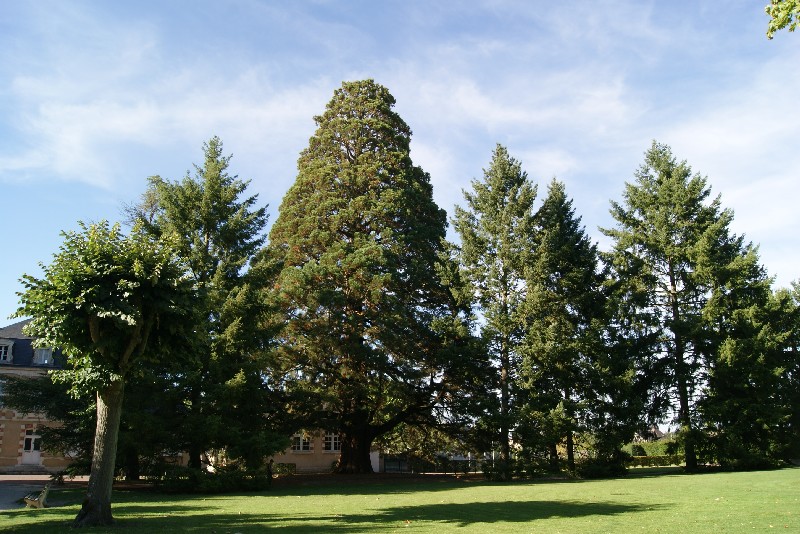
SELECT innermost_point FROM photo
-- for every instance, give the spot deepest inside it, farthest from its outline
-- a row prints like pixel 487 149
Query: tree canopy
pixel 358 238
pixel 782 14
pixel 111 303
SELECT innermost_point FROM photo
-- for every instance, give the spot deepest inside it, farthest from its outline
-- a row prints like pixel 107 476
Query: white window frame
pixel 43 356
pixel 302 443
pixel 332 442
pixel 6 351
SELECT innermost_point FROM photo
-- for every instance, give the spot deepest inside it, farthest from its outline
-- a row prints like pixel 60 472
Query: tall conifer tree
pixel 496 230
pixel 218 384
pixel 685 274
pixel 564 307
pixel 358 237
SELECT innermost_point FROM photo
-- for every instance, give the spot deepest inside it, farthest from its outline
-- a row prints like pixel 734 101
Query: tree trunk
pixel 505 446
pixel 685 419
pixel 132 465
pixel 195 452
pixel 570 451
pixel 354 457
pixel 570 434
pixel 552 449
pixel 682 378
pixel 96 509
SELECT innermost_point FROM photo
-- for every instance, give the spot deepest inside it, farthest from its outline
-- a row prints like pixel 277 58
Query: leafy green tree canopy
pixel 110 303
pixel 782 14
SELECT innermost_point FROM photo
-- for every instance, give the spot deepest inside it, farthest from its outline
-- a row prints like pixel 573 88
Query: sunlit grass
pixel 712 502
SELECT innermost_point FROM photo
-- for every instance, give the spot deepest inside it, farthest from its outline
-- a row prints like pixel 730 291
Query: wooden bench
pixel 37 500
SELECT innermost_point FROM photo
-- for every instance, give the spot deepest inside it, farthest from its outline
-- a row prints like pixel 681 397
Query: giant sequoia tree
pixel 496 230
pixel 689 280
pixel 358 236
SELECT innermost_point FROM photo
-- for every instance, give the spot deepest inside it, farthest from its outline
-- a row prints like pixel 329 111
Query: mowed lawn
pixel 645 501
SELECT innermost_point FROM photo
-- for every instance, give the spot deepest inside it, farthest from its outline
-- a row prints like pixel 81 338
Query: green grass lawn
pixel 645 501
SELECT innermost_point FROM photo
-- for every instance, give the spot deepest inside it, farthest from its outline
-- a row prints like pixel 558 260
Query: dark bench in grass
pixel 37 500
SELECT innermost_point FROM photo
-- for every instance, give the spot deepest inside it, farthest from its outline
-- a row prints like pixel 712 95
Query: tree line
pixel 198 331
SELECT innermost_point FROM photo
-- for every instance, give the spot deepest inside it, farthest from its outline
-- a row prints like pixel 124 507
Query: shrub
pixel 601 468
pixel 498 470
pixel 187 480
pixel 660 460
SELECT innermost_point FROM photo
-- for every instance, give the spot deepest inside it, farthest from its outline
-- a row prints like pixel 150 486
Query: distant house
pixel 21 447
pixel 23 452
pixel 317 452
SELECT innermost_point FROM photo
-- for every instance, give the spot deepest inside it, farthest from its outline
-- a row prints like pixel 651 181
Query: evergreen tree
pixel 749 411
pixel 565 308
pixel 217 385
pixel 358 238
pixel 685 274
pixel 496 231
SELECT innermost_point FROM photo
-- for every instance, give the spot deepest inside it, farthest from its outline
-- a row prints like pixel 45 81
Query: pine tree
pixel 564 307
pixel 685 273
pixel 496 230
pixel 358 237
pixel 218 382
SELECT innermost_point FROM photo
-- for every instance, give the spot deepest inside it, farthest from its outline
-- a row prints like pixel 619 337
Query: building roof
pixel 14 331
pixel 23 350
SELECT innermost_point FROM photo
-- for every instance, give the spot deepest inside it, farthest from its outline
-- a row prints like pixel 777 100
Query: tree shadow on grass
pixel 465 514
pixel 448 515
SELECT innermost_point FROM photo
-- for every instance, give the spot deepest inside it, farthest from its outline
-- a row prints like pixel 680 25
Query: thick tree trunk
pixel 354 457
pixel 96 509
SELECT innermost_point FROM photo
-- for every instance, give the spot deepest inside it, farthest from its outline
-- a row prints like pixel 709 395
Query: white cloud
pixel 746 144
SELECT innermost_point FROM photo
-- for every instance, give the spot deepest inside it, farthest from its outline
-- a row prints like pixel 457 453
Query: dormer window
pixel 6 351
pixel 43 356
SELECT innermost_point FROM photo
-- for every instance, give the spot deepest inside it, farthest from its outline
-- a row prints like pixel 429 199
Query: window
pixel 302 443
pixel 42 356
pixel 33 442
pixel 333 442
pixel 5 352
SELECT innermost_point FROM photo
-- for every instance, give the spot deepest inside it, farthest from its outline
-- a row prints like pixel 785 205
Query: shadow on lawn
pixel 464 514
pixel 443 514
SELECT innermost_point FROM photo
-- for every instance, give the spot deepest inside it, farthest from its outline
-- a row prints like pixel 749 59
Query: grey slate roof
pixel 14 331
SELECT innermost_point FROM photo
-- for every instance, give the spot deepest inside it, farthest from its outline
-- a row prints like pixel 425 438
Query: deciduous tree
pixel 782 14
pixel 110 302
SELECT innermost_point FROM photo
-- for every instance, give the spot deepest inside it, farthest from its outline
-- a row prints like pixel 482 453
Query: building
pixel 21 447
pixel 317 452
pixel 23 452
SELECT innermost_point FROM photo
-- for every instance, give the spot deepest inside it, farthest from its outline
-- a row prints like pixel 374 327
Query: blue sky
pixel 97 96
